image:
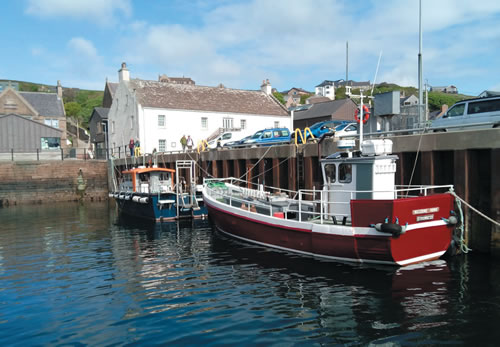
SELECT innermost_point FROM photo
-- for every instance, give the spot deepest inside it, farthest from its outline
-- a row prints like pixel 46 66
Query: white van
pixel 224 138
pixel 472 113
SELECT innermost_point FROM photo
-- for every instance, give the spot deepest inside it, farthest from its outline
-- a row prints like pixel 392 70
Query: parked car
pixel 346 130
pixel 321 129
pixel 237 143
pixel 472 113
pixel 224 138
pixel 269 137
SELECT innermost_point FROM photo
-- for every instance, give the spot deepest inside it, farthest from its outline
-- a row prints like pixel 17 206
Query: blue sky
pixel 293 43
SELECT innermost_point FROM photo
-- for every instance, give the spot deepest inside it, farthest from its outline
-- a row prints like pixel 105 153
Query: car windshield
pixel 341 127
pixel 257 135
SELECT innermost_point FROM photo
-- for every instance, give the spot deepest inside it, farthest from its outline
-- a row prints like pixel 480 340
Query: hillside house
pixel 451 89
pixel 326 89
pixel 159 113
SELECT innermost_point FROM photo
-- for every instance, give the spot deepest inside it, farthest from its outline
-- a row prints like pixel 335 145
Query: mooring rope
pixel 258 161
pixel 475 209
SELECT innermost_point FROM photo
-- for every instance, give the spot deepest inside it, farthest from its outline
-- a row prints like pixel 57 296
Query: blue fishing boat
pixel 150 193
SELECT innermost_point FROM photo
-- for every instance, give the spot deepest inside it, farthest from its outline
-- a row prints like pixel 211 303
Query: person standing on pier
pixel 131 146
pixel 190 143
pixel 183 142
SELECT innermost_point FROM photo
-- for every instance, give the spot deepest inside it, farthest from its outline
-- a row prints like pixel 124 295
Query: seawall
pixel 48 181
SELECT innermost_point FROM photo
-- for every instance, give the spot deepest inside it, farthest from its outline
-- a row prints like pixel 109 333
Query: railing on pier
pixel 71 153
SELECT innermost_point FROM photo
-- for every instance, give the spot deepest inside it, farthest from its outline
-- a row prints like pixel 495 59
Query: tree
pixel 72 109
pixel 279 96
pixel 304 97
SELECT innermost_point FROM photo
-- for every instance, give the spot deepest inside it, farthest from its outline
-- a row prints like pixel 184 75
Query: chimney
pixel 59 89
pixel 123 73
pixel 266 87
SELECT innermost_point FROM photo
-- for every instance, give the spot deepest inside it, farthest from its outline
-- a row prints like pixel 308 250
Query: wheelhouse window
pixel 345 173
pixel 162 145
pixel 161 121
pixel 330 173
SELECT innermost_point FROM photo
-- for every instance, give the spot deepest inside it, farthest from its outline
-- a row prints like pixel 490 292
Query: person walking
pixel 131 146
pixel 183 142
pixel 190 143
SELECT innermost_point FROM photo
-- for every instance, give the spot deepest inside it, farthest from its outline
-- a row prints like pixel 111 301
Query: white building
pixel 326 89
pixel 158 114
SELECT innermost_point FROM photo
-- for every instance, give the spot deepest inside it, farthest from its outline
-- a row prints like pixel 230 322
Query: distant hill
pixel 85 99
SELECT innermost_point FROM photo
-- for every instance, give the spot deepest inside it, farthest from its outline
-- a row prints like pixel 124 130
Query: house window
pixel 204 123
pixel 276 124
pixel 227 123
pixel 52 123
pixel 161 121
pixel 243 124
pixel 51 142
pixel 161 145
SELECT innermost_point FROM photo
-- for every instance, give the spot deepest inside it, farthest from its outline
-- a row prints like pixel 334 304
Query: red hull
pixel 360 243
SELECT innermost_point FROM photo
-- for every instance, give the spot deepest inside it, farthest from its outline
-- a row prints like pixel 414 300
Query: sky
pixel 293 43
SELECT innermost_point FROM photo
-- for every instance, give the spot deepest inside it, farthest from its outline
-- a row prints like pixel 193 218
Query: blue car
pixel 267 137
pixel 321 129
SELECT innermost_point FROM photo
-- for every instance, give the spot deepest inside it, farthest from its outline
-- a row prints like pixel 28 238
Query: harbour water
pixel 74 274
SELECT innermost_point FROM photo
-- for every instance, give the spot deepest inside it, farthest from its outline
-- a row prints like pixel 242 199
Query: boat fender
pixel 111 195
pixel 451 220
pixel 144 200
pixel 127 197
pixel 391 228
pixel 136 198
pixel 121 196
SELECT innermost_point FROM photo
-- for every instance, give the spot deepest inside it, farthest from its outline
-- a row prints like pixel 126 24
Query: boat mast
pixel 420 91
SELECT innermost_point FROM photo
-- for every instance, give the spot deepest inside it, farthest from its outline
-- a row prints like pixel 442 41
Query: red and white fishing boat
pixel 360 215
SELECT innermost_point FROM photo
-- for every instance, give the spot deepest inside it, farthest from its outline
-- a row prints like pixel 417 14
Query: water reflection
pixel 82 274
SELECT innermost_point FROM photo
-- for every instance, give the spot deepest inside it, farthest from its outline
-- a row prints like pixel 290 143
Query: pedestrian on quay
pixel 137 149
pixel 190 143
pixel 131 146
pixel 183 142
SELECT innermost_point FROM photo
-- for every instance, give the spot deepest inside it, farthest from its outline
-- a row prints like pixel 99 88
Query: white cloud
pixel 83 48
pixel 102 11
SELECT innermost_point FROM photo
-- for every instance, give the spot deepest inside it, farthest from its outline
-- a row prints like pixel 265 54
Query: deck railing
pixel 305 204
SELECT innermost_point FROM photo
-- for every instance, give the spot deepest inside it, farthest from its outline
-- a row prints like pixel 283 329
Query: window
pixel 455 111
pixel 267 134
pixel 227 136
pixel 52 123
pixel 484 106
pixel 330 173
pixel 161 145
pixel 161 120
pixel 51 142
pixel 345 173
pixel 227 123
pixel 204 122
pixel 276 124
pixel 243 124
pixel 112 127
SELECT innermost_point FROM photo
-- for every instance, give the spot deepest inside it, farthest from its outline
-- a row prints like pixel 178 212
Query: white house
pixel 326 89
pixel 158 114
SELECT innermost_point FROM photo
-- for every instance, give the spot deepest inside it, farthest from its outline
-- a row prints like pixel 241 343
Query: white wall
pixel 184 122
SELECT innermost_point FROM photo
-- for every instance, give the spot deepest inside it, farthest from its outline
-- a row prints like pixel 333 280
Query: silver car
pixel 467 114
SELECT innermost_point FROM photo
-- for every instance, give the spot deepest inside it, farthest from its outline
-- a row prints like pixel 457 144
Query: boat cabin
pixel 351 175
pixel 147 180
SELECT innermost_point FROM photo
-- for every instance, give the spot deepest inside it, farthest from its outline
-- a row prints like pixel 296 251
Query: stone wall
pixel 48 181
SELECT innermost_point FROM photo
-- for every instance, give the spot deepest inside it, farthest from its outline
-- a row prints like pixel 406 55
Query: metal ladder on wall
pixel 300 171
pixel 192 203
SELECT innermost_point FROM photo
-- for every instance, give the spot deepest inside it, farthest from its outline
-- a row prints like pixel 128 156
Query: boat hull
pixel 159 209
pixel 421 241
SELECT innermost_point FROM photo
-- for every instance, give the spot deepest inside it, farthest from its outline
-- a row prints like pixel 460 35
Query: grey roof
pixel 325 83
pixel 46 104
pixel 101 111
pixel 321 109
pixel 215 99
pixel 112 88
